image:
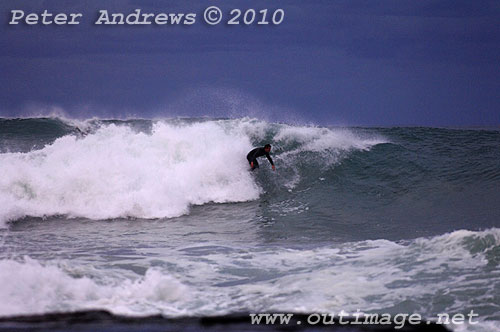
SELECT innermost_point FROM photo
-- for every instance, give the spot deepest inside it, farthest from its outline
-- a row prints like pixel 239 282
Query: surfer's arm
pixel 270 160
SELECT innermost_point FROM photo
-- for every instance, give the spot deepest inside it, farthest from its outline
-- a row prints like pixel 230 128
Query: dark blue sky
pixel 350 62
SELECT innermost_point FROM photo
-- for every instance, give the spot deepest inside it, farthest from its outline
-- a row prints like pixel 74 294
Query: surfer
pixel 259 152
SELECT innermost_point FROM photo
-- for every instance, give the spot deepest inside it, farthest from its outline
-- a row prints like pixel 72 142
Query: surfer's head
pixel 267 148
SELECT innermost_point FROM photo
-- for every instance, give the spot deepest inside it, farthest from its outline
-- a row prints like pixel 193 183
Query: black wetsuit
pixel 258 152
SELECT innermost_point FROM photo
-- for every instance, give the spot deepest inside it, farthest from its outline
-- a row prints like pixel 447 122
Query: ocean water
pixel 145 217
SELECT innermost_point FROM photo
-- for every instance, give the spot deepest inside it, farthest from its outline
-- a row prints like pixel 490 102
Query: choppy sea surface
pixel 145 217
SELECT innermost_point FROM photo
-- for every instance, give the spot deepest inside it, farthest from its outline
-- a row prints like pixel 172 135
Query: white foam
pixel 118 172
pixel 29 287
pixel 438 275
pixel 319 139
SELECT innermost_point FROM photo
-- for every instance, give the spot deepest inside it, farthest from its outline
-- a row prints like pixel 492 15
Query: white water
pixel 119 172
pixel 443 274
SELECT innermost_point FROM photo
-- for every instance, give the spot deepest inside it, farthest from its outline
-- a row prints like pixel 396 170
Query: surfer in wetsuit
pixel 259 152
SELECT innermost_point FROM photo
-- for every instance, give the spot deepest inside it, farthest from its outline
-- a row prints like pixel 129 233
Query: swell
pixel 23 135
pixel 103 169
pixel 144 169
